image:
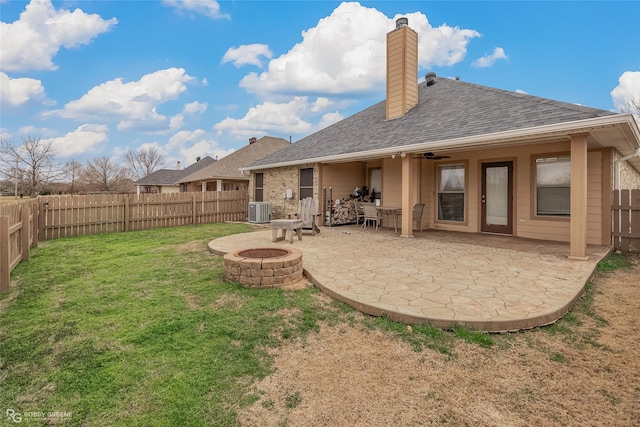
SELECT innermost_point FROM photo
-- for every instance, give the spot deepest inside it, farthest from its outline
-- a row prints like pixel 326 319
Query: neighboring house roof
pixel 450 114
pixel 229 166
pixel 172 176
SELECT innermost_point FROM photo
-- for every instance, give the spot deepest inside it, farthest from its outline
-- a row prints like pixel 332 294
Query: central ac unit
pixel 259 212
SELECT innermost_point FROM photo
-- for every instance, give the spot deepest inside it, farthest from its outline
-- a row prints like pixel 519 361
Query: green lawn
pixel 141 328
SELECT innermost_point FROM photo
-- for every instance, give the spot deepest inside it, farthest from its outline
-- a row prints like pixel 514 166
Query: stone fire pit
pixel 263 267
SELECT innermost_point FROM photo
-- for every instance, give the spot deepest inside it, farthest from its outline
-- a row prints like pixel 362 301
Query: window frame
pixel 535 172
pixel 439 167
pixel 258 189
pixel 305 189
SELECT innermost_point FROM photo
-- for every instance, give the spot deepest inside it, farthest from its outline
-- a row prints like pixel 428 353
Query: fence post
pixel 5 274
pixel 193 208
pixel 41 219
pixel 24 233
pixel 34 222
pixel 126 212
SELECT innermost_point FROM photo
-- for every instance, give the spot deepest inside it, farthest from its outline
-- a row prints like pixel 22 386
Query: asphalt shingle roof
pixel 229 166
pixel 172 176
pixel 446 110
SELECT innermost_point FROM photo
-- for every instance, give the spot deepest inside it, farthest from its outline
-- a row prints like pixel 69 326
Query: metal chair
pixel 416 214
pixel 359 211
pixel 370 214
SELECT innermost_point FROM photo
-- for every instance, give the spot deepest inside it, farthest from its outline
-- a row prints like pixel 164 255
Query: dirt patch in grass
pixel 583 373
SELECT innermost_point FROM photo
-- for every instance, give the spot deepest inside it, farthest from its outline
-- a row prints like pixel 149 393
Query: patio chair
pixel 359 211
pixel 416 215
pixel 308 212
pixel 370 214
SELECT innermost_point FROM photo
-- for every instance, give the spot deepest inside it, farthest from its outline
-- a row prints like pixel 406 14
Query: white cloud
pixel 83 140
pixel 134 103
pixel 187 145
pixel 489 60
pixel 628 90
pixel 249 54
pixel 17 92
pixel 184 137
pixel 195 107
pixel 345 53
pixel 202 148
pixel 275 118
pixel 31 42
pixel 522 91
pixel 33 130
pixel 210 8
pixel 328 119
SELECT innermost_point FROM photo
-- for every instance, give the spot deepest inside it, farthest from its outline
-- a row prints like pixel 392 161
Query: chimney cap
pixel 402 22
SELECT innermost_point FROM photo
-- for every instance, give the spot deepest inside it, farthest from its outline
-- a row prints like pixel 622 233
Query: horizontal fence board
pixel 66 216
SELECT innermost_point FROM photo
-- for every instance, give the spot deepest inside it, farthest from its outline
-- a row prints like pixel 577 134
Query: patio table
pixel 387 211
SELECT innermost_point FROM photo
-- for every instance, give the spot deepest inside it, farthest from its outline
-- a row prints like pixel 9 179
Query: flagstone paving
pixel 483 282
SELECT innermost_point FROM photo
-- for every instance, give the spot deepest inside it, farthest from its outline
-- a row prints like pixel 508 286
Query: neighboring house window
pixel 183 188
pixel 451 193
pixel 553 186
pixel 259 188
pixel 306 183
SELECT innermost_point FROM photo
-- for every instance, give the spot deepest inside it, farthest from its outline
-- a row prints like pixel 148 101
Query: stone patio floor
pixel 480 281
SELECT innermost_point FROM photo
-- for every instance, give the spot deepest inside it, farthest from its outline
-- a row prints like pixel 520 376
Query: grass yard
pixel 140 328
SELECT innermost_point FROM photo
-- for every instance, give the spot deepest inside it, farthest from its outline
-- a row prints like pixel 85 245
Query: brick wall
pixel 276 183
pixel 629 177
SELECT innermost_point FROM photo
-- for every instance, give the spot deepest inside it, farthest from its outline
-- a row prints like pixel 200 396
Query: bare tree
pixel 30 165
pixel 634 106
pixel 105 174
pixel 73 171
pixel 144 161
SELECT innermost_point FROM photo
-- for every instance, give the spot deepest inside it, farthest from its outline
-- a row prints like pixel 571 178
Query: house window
pixel 553 186
pixel 258 191
pixel 451 193
pixel 306 183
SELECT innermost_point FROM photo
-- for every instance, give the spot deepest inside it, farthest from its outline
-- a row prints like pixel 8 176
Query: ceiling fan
pixel 432 156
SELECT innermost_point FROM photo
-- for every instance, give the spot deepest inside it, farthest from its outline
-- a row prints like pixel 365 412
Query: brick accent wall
pixel 276 183
pixel 629 177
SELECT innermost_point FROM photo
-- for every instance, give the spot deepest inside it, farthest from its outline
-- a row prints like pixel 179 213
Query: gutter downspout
pixel 616 165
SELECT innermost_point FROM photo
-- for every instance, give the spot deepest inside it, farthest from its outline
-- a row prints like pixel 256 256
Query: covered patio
pixel 480 281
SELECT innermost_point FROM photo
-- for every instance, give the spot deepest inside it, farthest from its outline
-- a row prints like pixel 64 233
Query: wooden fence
pixel 626 221
pixel 22 224
pixel 18 233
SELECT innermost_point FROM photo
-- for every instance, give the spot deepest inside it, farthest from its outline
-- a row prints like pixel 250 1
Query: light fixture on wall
pixel 399 153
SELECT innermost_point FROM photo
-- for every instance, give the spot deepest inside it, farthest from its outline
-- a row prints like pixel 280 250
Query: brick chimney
pixel 402 69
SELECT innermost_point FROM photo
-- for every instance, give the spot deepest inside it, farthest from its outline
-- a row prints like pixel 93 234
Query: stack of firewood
pixel 344 213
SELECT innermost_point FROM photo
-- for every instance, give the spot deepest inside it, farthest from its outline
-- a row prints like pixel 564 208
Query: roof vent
pixel 402 22
pixel 252 140
pixel 430 78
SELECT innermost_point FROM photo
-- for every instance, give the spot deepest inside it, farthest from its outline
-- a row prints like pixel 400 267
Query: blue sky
pixel 200 77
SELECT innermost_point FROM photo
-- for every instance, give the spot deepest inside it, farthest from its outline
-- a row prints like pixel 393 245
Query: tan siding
pixel 525 222
pixel 402 71
pixel 343 178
